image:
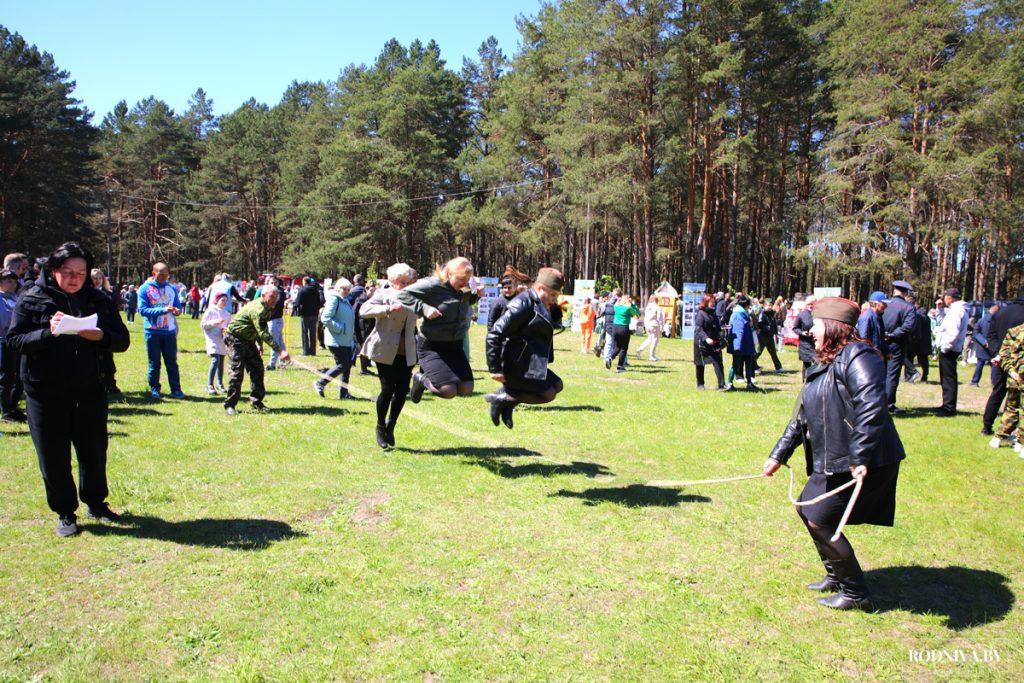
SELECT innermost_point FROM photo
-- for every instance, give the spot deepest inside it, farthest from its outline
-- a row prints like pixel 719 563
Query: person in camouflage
pixel 247 329
pixel 1011 360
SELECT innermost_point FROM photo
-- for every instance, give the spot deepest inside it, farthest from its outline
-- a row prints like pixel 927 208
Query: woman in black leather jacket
pixel 707 342
pixel 65 381
pixel 843 423
pixel 520 346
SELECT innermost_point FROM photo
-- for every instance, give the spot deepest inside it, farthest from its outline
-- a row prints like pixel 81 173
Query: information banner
pixel 582 289
pixel 822 292
pixel 491 291
pixel 693 292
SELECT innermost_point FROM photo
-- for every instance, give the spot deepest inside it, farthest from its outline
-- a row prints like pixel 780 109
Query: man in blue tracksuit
pixel 159 306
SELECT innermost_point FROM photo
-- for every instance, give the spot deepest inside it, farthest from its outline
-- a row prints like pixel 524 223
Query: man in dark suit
pixel 900 322
pixel 307 301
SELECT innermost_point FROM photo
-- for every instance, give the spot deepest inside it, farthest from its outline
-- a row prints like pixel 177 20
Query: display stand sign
pixel 491 292
pixel 693 292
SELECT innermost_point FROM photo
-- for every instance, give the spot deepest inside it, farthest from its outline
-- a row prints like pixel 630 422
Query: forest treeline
pixel 765 145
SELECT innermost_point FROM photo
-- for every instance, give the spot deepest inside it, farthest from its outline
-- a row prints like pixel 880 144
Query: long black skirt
pixel 876 503
pixel 443 362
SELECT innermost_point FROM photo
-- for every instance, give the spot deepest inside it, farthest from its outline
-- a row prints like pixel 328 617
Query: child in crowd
pixel 214 322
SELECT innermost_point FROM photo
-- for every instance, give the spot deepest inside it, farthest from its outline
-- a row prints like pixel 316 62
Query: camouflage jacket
pixel 1011 354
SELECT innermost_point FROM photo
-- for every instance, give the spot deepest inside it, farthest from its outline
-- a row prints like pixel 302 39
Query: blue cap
pixel 904 285
pixel 879 296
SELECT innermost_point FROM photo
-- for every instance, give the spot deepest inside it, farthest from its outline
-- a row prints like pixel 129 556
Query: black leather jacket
pixel 842 417
pixel 805 350
pixel 65 364
pixel 519 345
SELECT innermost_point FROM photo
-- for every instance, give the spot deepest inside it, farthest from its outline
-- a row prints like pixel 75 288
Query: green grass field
pixel 287 546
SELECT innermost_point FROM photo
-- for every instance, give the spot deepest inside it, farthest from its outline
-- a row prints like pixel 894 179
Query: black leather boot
pixel 416 390
pixel 382 439
pixel 506 413
pixel 497 402
pixel 829 584
pixel 853 592
pixel 389 433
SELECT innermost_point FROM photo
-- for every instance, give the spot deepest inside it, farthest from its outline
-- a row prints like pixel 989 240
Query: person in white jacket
pixel 214 322
pixel 654 323
pixel 949 338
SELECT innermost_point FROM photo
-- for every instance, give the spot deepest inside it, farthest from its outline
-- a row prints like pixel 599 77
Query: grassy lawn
pixel 287 546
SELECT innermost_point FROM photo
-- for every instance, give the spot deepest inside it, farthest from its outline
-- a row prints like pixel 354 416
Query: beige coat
pixel 382 344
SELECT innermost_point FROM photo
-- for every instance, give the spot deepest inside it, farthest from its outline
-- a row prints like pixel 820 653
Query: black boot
pixel 853 592
pixel 382 437
pixel 829 584
pixel 416 391
pixel 497 402
pixel 506 413
pixel 389 432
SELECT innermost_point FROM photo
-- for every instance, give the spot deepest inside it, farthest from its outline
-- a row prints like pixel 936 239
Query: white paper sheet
pixel 69 324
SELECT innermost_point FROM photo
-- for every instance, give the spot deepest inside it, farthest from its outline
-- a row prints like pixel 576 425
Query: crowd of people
pixel 413 333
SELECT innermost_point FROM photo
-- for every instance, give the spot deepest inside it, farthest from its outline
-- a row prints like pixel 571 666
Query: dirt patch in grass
pixel 369 512
pixel 321 514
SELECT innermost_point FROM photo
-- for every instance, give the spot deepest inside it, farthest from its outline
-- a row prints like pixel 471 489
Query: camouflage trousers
pixel 1011 416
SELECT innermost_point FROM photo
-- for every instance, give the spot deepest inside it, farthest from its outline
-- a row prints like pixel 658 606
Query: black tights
pixel 834 551
pixel 394 385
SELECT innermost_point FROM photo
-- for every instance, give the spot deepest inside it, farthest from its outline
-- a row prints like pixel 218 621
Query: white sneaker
pixel 999 442
pixel 1019 449
pixel 231 411
pixel 210 390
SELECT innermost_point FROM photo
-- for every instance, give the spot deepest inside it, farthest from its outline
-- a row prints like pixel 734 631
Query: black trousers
pixel 309 335
pixel 948 379
pixel 715 360
pixel 914 358
pixel 994 406
pixel 620 343
pixel 342 366
pixel 394 385
pixel 11 388
pixel 58 422
pixel 244 356
pixel 767 342
pixel 893 370
pixel 743 366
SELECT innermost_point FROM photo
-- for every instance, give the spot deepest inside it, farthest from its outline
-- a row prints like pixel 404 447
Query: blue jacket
pixel 869 327
pixel 339 321
pixel 980 338
pixel 742 332
pixel 154 299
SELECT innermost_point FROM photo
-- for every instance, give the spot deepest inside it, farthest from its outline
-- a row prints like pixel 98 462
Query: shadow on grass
pixel 475 451
pixel 127 409
pixel 329 411
pixel 542 469
pixel 967 597
pixel 636 495
pixel 233 534
pixel 920 411
pixel 564 408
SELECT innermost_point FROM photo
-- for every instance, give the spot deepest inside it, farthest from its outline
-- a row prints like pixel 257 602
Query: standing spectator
pixel 919 346
pixel 101 284
pixel 364 326
pixel 159 306
pixel 357 290
pixel 308 303
pixel 805 350
pixel 244 332
pixel 742 347
pixel 899 334
pixel 19 263
pixel 587 318
pixel 707 342
pixel 950 339
pixel 131 302
pixel 767 331
pixel 339 322
pixel 214 323
pixel 1007 317
pixel 10 378
pixel 869 325
pixel 624 312
pixel 275 323
pixel 194 295
pixel 981 345
pixel 722 302
pixel 654 323
pixel 64 385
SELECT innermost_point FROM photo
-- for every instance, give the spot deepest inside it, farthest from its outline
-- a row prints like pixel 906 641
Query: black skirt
pixel 876 503
pixel 443 362
pixel 533 386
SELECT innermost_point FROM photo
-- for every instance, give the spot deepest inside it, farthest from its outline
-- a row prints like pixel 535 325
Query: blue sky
pixel 236 50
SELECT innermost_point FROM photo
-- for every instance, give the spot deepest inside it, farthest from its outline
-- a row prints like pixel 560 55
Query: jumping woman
pixel 445 302
pixel 842 420
pixel 520 346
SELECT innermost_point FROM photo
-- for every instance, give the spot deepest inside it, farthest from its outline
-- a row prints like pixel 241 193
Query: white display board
pixel 581 290
pixel 491 291
pixel 693 292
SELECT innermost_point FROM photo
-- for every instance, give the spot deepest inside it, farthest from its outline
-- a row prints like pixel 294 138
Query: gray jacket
pixel 430 294
pixel 381 346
